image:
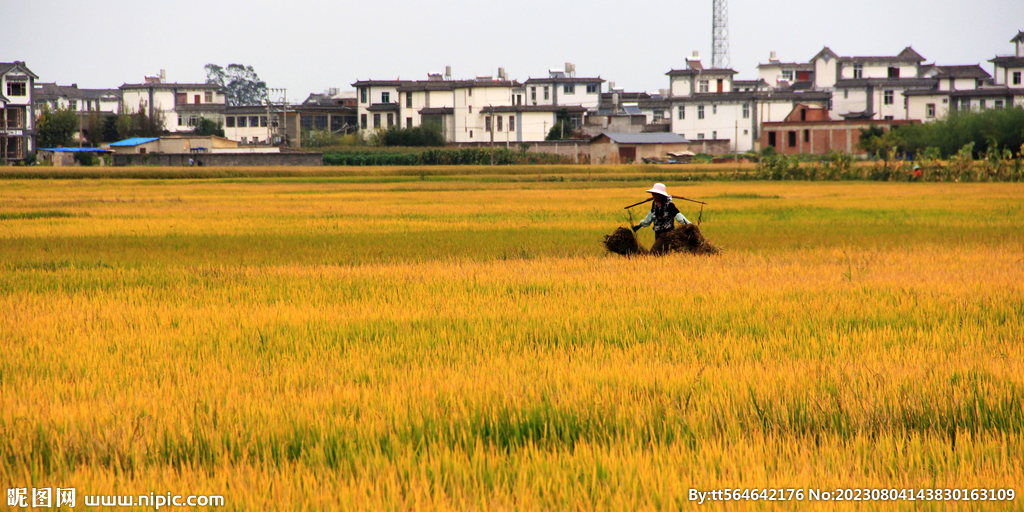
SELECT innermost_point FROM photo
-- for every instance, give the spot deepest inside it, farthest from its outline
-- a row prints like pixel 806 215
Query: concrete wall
pixel 721 121
pixel 222 160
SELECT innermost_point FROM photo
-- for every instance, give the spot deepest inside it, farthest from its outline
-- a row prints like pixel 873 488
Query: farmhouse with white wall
pixel 180 105
pixel 17 116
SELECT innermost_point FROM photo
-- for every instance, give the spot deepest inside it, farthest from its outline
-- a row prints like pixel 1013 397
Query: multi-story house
pixel 711 104
pixel 181 106
pixel 17 116
pixel 84 102
pixel 479 110
pixel 562 88
pixel 950 85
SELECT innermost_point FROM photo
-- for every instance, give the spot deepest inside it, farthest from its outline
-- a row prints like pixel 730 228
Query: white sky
pixel 308 46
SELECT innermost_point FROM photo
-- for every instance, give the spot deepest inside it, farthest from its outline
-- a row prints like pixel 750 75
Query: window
pixel 305 122
pixel 787 74
pixel 714 135
pixel 499 123
pixel 546 96
pixel 998 104
pixel 408 122
pixel 337 122
pixel 263 121
pixel 771 139
pixel 254 121
pixel 593 88
pixel 746 111
pixel 792 138
pixel 533 93
pixel 320 122
pixel 746 132
pixel 700 111
pixel 376 120
pixel 682 112
pixel 807 135
pixel 981 104
pixel 929 110
pixel 714 109
pixel 569 88
pixel 965 104
pixel 181 120
pixel 198 101
pixel 846 94
pixel 245 140
pixel 408 100
pixel 659 114
pixel 858 71
pixel 229 121
pixel 16 88
pixel 487 123
pixel 242 121
pixel 830 103
pixel 471 109
pixel 391 119
pixel 73 104
pixel 888 118
pixel 209 96
pixel 700 136
pixel 362 95
pixel 181 98
pixel 511 123
pixel 362 121
pixel 1016 78
pixel 894 72
pixel 470 91
pixel 945 101
pixel 471 134
pixel 385 97
pixel 887 98
pixel 703 86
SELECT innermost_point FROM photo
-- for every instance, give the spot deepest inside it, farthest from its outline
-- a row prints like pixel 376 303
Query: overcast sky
pixel 307 46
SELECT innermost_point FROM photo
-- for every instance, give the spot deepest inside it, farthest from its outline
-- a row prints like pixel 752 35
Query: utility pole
pixel 720 35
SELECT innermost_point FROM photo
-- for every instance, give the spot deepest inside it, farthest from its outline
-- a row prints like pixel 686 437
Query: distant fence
pixel 220 159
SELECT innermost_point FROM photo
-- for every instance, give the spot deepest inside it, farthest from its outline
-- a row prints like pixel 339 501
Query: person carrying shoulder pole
pixel 663 216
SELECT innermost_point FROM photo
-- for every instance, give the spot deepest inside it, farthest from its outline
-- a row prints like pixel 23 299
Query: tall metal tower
pixel 720 35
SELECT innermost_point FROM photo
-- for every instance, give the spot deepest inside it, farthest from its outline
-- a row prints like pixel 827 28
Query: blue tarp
pixel 133 142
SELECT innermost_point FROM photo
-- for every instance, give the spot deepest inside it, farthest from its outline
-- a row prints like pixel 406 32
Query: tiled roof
pixel 885 82
pixel 1008 61
pixel 381 83
pixel 794 65
pixel 565 80
pixel 708 72
pixel 383 107
pixel 967 71
pixel 644 138
pixel 439 111
pixel 6 67
pixel 169 85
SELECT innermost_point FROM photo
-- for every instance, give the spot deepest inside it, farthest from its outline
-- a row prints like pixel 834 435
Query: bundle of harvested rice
pixel 623 241
pixel 688 238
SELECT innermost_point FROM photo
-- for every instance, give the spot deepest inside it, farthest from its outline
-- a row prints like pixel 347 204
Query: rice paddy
pixel 324 343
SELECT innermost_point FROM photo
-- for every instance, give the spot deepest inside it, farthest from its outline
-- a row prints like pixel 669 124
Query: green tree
pixel 208 127
pixel 562 129
pixel 57 128
pixel 241 84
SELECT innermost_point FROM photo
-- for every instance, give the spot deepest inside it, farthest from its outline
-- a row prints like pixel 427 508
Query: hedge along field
pixel 450 346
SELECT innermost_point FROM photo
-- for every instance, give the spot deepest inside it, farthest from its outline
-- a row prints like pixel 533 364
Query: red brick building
pixel 808 129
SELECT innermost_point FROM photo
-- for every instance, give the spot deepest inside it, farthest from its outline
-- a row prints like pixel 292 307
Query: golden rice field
pixel 321 343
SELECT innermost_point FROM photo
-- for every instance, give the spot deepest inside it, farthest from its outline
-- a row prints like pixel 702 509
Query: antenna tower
pixel 720 35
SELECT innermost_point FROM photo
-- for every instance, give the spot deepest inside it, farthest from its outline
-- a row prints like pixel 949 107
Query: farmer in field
pixel 663 216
